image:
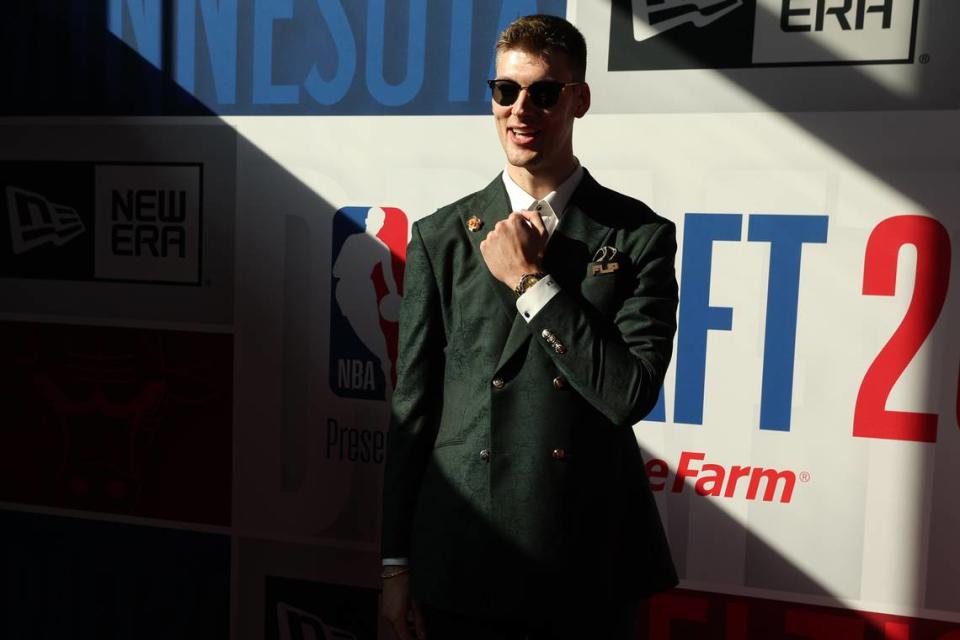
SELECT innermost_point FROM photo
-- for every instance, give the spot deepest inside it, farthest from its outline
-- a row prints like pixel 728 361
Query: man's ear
pixel 584 103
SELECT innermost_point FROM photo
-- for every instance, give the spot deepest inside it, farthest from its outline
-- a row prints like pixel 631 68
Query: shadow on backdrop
pixel 75 576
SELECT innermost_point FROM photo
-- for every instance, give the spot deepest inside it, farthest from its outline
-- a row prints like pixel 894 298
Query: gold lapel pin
pixel 474 223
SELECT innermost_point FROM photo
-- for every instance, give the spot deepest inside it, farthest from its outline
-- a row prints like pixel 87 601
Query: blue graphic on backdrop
pixel 786 235
pixel 333 57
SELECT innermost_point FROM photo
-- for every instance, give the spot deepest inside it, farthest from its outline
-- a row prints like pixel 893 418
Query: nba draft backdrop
pixel 203 222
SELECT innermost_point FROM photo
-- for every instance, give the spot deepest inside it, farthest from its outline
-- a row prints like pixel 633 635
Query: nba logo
pixel 369 250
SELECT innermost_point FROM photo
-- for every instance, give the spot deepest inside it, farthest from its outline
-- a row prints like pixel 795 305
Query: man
pixel 515 499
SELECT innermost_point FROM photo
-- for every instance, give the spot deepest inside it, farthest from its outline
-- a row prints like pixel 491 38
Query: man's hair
pixel 545 35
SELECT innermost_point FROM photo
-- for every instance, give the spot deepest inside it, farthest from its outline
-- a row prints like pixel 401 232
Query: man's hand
pixel 515 247
pixel 398 606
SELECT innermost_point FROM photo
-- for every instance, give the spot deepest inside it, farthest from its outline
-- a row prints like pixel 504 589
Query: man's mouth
pixel 522 135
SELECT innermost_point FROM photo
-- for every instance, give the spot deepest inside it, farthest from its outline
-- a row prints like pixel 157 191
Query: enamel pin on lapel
pixel 605 254
pixel 474 223
pixel 603 261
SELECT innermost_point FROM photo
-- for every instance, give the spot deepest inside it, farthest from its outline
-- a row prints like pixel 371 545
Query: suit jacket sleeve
pixel 618 367
pixel 417 399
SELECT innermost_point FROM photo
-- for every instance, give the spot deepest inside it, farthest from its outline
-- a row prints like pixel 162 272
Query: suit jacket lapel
pixel 493 206
pixel 518 337
pixel 578 235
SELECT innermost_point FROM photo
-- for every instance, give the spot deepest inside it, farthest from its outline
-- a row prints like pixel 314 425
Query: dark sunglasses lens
pixel 505 93
pixel 545 94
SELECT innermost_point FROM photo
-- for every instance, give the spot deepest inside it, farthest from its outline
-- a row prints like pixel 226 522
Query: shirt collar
pixel 557 199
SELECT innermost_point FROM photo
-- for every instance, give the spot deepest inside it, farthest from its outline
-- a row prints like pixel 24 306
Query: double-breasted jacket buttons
pixel 559 454
pixel 559 383
pixel 498 383
pixel 485 454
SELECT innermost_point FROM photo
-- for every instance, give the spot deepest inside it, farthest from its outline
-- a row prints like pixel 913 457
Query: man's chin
pixel 525 159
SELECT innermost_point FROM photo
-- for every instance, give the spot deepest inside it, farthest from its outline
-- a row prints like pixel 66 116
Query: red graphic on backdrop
pixel 394 235
pixel 697 615
pixel 716 480
pixel 932 278
pixel 115 420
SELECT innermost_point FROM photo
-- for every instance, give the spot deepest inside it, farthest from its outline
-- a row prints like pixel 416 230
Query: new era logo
pixel 121 221
pixel 307 610
pixel 148 222
pixel 653 17
pixel 36 221
pixel 297 624
pixel 716 34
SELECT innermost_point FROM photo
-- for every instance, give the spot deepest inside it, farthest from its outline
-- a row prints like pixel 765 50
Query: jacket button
pixel 559 383
pixel 559 454
pixel 498 383
pixel 485 454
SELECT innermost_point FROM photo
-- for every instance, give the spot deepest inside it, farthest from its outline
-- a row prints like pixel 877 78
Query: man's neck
pixel 539 184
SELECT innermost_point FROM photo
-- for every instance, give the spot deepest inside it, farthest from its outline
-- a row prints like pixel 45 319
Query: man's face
pixel 539 140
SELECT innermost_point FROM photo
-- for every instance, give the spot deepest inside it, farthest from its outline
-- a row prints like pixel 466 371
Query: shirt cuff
pixel 537 297
pixel 393 562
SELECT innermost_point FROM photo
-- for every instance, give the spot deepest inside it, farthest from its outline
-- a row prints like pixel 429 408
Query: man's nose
pixel 522 102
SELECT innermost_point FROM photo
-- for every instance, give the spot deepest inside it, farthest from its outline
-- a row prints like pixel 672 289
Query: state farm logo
pixel 147 222
pixel 722 481
pixel 36 221
pixel 691 34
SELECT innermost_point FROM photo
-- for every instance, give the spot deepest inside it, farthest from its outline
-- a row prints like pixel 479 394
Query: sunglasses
pixel 543 93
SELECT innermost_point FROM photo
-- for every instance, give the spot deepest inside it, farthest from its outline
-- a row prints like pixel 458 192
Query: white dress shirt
pixel 550 208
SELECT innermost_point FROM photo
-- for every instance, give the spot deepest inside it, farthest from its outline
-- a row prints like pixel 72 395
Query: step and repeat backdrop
pixel 203 223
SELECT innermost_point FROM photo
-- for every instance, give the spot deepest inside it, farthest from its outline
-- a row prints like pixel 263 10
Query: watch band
pixel 527 280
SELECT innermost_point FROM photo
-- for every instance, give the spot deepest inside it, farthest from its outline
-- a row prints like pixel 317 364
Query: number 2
pixel 871 418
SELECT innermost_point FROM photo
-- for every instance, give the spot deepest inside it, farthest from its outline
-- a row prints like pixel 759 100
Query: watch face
pixel 526 282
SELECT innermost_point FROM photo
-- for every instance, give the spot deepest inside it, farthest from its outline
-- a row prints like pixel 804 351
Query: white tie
pixel 546 214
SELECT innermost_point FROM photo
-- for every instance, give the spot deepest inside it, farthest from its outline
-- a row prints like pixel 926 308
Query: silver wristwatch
pixel 527 280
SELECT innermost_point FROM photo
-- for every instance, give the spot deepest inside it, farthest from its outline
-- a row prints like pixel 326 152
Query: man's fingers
pixel 398 622
pixel 418 621
pixel 402 629
pixel 533 217
pixel 396 605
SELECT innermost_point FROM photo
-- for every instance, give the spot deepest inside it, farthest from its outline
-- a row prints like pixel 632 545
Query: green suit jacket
pixel 513 482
